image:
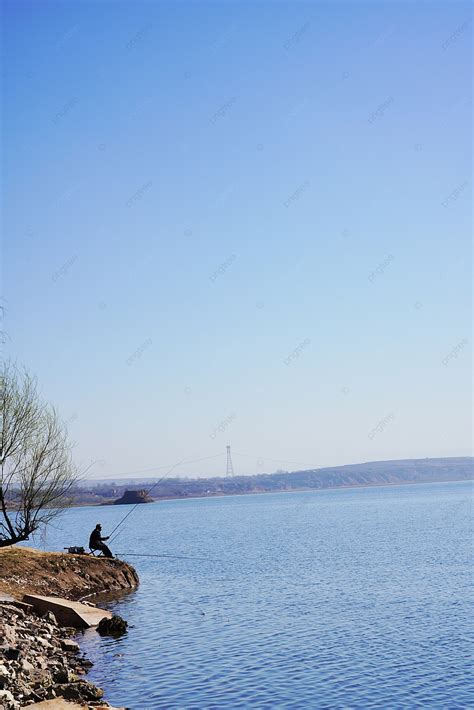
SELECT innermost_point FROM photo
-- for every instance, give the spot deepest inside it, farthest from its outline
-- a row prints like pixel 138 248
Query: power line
pixel 159 468
pixel 214 456
pixel 265 458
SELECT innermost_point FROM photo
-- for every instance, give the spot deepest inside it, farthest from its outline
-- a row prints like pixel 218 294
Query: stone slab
pixel 68 613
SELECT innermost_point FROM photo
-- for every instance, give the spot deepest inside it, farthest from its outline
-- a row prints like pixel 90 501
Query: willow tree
pixel 37 472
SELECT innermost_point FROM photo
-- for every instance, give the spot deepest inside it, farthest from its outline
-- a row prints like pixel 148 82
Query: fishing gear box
pixel 74 550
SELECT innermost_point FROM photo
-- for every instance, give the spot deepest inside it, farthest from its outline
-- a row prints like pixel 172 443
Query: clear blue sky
pixel 243 223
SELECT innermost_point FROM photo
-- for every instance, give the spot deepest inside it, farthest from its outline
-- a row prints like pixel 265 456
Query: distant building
pixel 133 497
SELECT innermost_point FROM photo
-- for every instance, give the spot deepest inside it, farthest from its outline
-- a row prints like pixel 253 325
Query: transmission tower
pixel 229 471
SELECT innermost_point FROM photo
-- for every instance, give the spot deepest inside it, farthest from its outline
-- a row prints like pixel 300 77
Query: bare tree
pixel 36 467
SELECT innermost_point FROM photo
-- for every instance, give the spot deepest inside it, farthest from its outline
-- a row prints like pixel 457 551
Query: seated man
pixel 96 541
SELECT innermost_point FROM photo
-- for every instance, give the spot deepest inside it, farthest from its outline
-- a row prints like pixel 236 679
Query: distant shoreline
pixel 349 486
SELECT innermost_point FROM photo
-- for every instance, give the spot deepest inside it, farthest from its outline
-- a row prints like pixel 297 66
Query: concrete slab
pixel 68 613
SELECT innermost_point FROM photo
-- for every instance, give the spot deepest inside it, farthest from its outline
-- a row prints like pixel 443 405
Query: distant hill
pixel 372 473
pixel 365 474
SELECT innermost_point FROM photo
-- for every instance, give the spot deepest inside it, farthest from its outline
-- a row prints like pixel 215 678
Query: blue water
pixel 357 598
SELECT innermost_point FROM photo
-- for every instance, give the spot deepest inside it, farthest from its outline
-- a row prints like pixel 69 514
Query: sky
pixel 241 224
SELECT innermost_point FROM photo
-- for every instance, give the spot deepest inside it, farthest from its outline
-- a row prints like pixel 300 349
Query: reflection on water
pixel 105 599
pixel 351 598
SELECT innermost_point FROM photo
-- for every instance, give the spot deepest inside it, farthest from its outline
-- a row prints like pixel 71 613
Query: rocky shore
pixel 39 661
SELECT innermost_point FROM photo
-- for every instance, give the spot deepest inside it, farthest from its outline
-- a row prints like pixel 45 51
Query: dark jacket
pixel 95 539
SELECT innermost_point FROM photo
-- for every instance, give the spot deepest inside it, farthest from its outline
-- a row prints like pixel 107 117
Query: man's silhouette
pixel 96 541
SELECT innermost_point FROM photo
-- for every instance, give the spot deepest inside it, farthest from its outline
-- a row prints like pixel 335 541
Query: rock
pixel 40 663
pixel 43 642
pixel 8 635
pixel 64 675
pixel 10 653
pixel 50 618
pixel 82 690
pixel 116 626
pixel 42 679
pixel 27 667
pixel 13 609
pixel 8 701
pixel 69 646
pixel 27 608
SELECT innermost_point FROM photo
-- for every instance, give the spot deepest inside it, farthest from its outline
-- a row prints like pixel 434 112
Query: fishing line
pixel 176 557
pixel 158 468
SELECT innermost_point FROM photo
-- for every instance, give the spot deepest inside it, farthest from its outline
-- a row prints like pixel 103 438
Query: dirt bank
pixel 27 571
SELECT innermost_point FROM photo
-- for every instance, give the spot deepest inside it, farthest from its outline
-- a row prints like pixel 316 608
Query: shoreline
pixel 349 486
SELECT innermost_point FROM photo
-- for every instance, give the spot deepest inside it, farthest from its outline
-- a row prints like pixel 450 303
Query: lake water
pixel 356 598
